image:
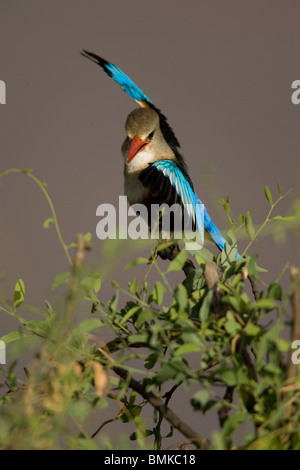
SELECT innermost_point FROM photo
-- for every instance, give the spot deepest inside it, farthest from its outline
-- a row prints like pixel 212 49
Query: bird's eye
pixel 150 136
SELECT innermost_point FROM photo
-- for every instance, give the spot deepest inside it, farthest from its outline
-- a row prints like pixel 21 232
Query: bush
pixel 245 370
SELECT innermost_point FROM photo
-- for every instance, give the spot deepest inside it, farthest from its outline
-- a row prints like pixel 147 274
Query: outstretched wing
pixel 135 93
pixel 168 182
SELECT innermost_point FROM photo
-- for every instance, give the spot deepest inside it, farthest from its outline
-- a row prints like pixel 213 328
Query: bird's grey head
pixel 142 122
pixel 144 137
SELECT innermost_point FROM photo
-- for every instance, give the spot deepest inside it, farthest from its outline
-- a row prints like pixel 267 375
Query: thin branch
pixel 170 253
pixel 42 186
pixel 168 395
pixel 168 414
pixel 212 278
pixel 104 424
pixel 255 292
pixel 224 410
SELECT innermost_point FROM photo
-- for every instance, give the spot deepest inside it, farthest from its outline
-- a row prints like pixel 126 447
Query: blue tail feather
pixel 126 83
pixel 214 232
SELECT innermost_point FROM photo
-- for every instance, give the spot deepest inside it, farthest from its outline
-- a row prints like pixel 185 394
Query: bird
pixel 154 169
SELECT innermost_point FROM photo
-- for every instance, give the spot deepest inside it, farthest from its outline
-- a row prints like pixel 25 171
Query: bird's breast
pixel 134 189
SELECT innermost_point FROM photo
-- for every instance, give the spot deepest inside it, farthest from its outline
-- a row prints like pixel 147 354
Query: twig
pixel 212 278
pixel 224 410
pixel 170 253
pixel 168 414
pixel 253 287
pixel 42 186
pixel 168 395
pixel 79 256
pixel 104 424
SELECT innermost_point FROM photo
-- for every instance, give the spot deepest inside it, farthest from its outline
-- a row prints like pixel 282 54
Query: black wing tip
pixel 166 129
pixel 97 59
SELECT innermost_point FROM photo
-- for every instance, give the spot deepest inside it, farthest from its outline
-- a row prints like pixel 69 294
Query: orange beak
pixel 136 145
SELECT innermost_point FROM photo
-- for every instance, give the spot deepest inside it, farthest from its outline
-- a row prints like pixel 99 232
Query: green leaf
pixel 166 372
pixel 268 195
pixel 279 189
pixel 241 219
pixel 180 294
pixel 134 435
pixel 187 348
pixel 178 263
pixel 249 226
pixel 97 283
pixel 150 361
pixel 233 376
pixel 79 410
pixel 252 330
pixel 134 286
pixel 27 171
pixel 266 304
pixel 205 307
pixel 233 422
pixel 253 268
pixel 136 262
pixel 202 400
pixel 49 307
pixel 269 337
pixel 87 283
pixel 90 324
pixel 157 294
pixel 203 255
pixel 138 339
pixel 130 313
pixel 12 336
pixel 230 250
pixel 226 205
pixel 87 237
pixel 195 281
pixel 283 345
pixel 48 222
pixel 132 398
pixel 231 325
pixel 19 293
pixel 288 218
pixel 274 291
pixel 142 318
pixel 60 279
pixel 170 434
pixel 38 327
pixel 113 303
pixel 134 411
pixel 234 268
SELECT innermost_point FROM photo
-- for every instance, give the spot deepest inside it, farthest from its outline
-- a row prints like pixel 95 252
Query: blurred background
pixel 220 71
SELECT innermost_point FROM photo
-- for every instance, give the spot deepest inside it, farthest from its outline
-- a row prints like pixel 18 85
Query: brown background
pixel 220 70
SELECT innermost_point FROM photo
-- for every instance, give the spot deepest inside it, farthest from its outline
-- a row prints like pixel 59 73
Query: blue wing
pixel 126 83
pixel 167 180
pixel 135 93
pixel 179 189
